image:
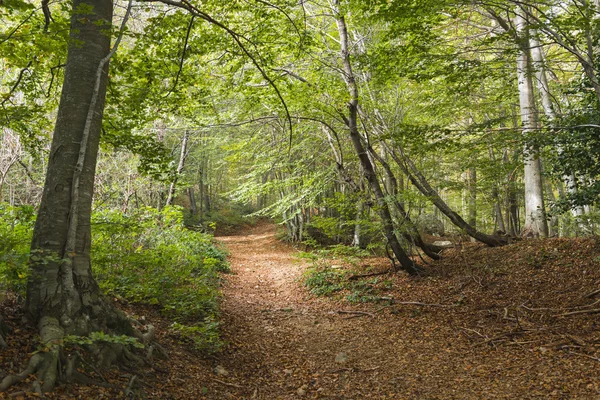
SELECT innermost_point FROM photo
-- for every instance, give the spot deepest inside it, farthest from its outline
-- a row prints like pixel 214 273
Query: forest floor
pixel 517 322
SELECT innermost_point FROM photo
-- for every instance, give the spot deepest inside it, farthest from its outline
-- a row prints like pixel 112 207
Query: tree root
pixel 3 332
pixel 54 363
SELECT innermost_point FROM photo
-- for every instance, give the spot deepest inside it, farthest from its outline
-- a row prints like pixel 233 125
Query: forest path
pixel 284 343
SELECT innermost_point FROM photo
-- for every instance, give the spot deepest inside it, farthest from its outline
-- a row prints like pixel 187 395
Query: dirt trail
pixel 285 344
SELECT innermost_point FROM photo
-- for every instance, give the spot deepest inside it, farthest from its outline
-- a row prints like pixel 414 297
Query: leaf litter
pixel 516 322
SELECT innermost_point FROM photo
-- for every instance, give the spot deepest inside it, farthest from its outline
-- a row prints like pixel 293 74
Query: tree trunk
pixel 472 196
pixel 409 231
pixel 193 204
pixel 419 181
pixel 360 209
pixel 182 155
pixel 62 295
pixel 544 92
pixel 368 169
pixel 535 214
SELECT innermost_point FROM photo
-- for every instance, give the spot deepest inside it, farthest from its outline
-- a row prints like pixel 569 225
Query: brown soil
pixel 491 324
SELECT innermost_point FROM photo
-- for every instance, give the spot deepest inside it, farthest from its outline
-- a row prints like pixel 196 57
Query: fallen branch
pixel 129 390
pixel 337 371
pixel 413 303
pixel 227 383
pixel 501 336
pixel 585 355
pixel 417 303
pixel 560 308
pixel 592 311
pixel 357 313
pixel 592 293
pixel 356 277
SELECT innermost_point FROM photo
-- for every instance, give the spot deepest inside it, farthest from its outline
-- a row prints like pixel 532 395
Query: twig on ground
pixel 413 303
pixel 129 388
pixel 585 355
pixel 357 313
pixel 592 311
pixel 227 383
pixel 592 293
pixel 501 336
pixel 559 309
pixel 337 371
pixel 474 331
pixel 355 277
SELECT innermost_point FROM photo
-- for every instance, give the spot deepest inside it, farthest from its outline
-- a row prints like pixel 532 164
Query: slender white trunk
pixel 535 216
pixel 182 155
pixel 547 105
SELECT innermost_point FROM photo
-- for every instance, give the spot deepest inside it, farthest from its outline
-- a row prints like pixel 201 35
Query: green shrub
pixel 149 257
pixel 324 281
pixel 16 228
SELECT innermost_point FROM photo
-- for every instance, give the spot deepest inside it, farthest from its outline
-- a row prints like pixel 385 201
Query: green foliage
pixel 205 336
pixel 16 227
pixel 324 280
pixel 149 256
pixel 228 216
pixel 101 337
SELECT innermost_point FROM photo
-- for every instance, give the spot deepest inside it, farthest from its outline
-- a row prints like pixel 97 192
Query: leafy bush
pixel 324 281
pixel 150 257
pixel 147 256
pixel 16 228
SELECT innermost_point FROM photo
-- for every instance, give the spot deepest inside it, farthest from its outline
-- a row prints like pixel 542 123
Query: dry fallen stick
pixel 337 371
pixel 592 311
pixel 356 313
pixel 413 303
pixel 355 277
pixel 592 293
pixel 585 355
pixel 417 303
pixel 227 383
pixel 559 309
pixel 474 331
pixel 501 336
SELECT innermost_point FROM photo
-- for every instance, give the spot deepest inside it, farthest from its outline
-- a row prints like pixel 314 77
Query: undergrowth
pixel 325 278
pixel 147 257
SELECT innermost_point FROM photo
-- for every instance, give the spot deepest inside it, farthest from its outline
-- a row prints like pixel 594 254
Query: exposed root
pixel 32 367
pixel 129 389
pixel 54 363
pixel 3 332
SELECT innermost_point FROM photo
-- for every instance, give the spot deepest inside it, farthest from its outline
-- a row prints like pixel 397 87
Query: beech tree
pixel 63 297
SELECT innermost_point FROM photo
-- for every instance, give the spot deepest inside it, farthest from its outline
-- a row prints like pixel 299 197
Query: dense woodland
pixel 133 131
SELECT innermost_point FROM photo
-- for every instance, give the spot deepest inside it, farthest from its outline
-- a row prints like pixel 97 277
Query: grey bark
pixel 548 107
pixel 409 230
pixel 369 171
pixel 418 180
pixel 182 156
pixel 61 287
pixel 472 196
pixel 535 214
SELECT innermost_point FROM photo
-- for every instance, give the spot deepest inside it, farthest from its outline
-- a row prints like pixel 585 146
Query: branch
pixel 14 87
pixel 187 36
pixel 18 26
pixel 47 15
pixel 53 76
pixel 186 5
pixel 74 216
